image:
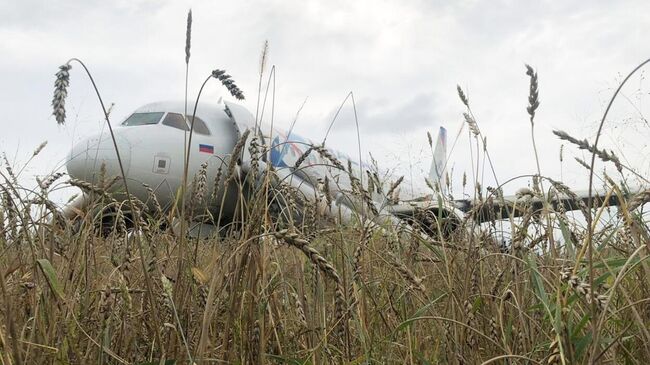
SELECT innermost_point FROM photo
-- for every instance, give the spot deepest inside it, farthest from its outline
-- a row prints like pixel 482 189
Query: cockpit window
pixel 176 120
pixel 143 119
pixel 199 126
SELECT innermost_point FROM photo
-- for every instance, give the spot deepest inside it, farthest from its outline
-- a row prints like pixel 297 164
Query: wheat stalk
pixel 49 180
pixel 200 186
pixel 188 37
pixel 236 153
pixel 408 275
pixel 228 83
pixel 582 163
pixel 86 186
pixel 462 96
pixel 533 93
pixel 583 288
pixel 9 169
pixel 154 199
pixel 393 189
pixel 61 93
pixel 473 126
pixel 638 200
pixel 303 157
pixel 325 153
pixel 322 263
pixel 217 182
pixel 584 145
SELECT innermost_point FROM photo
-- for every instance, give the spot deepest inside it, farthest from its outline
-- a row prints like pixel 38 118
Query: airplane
pixel 152 145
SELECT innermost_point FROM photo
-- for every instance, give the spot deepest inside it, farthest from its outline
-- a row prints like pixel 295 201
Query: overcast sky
pixel 402 59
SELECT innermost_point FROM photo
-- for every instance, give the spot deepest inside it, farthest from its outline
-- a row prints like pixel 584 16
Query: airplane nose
pixel 87 157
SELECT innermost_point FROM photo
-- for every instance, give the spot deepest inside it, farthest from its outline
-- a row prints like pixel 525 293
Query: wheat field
pixel 312 291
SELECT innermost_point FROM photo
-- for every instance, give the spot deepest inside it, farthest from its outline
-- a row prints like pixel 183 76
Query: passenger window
pixel 143 119
pixel 176 120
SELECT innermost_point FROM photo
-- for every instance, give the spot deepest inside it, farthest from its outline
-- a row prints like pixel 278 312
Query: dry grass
pixel 315 294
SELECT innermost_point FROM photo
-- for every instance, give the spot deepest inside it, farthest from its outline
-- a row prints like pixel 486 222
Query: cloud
pixel 385 116
pixel 401 59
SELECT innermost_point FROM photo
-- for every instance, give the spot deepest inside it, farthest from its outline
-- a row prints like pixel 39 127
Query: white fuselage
pixel 152 145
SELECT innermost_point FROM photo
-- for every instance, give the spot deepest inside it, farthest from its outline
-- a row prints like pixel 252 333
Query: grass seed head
pixel 533 93
pixel 473 126
pixel 201 182
pixel 394 187
pixel 638 200
pixel 264 56
pixel 154 200
pixel 49 180
pixel 236 153
pixel 554 357
pixel 8 167
pixel 39 148
pixel 326 154
pixel 302 157
pixel 188 37
pixel 583 288
pixel 462 96
pixel 217 182
pixel 228 83
pixel 61 93
pixel 585 145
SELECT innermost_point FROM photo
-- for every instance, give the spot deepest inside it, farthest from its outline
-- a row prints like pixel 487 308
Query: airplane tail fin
pixel 438 165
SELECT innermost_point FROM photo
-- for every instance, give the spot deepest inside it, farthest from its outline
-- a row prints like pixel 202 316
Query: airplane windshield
pixel 143 119
pixel 176 120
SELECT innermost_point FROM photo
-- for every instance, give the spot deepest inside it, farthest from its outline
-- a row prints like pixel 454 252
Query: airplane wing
pixel 525 202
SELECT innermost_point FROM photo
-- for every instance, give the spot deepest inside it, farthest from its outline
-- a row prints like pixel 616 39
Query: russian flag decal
pixel 206 148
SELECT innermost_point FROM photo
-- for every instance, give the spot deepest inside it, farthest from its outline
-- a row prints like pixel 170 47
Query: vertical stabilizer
pixel 438 165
